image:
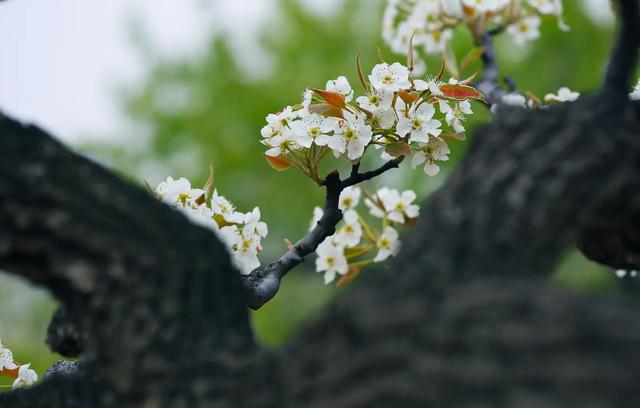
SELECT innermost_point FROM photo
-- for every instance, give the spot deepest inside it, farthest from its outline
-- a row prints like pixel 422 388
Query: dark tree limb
pixel 261 285
pixel 625 52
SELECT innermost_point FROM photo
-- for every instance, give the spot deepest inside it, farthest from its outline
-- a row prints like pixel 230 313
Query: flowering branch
pixel 262 285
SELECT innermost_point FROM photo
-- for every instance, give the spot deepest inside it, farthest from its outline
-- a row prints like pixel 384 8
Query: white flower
pixel 564 95
pixel 200 215
pixel 350 233
pixel 635 95
pixel 486 6
pixel 244 252
pixel 222 206
pixel 383 119
pixel 26 376
pixel 331 259
pixel 282 143
pixel 253 226
pixel 419 122
pixel 388 244
pixel 6 359
pixel 454 116
pixel 178 192
pixel 349 198
pixel 514 99
pixel 435 41
pixel 376 101
pixel 307 130
pixel 435 150
pixel 352 134
pixel 307 96
pixel 341 85
pixel 431 84
pixel 277 122
pixel 317 214
pixel 390 78
pixel 393 205
pixel 524 30
pixel 547 6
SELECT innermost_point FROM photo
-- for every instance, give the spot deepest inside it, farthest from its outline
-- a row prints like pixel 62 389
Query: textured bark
pixel 464 317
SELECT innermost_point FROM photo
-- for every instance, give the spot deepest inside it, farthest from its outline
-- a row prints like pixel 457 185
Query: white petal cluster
pixel 432 152
pixel 431 23
pixel 397 112
pixel 392 205
pixel 6 359
pixel 26 377
pixel 241 232
pixel 355 238
pixel 564 95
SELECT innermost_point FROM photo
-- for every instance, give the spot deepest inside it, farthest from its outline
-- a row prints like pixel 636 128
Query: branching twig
pixel 488 85
pixel 625 53
pixel 262 285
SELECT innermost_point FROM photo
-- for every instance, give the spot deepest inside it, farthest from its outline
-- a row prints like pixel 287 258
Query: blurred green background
pixel 209 108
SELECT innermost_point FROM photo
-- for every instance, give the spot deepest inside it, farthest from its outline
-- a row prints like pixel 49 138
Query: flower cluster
pixel 241 232
pixel 431 22
pixel 346 252
pixel 399 115
pixel 24 376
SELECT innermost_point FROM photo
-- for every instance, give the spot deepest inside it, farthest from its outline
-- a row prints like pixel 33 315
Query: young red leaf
pixel 461 92
pixel 335 99
pixel 279 163
pixel 351 275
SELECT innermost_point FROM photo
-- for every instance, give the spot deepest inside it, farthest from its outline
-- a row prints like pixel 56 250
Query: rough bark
pixel 464 317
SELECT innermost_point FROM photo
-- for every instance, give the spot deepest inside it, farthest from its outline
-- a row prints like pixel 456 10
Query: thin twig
pixel 262 284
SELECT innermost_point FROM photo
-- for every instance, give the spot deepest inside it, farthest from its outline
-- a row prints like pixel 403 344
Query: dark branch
pixel 262 285
pixel 488 85
pixel 625 53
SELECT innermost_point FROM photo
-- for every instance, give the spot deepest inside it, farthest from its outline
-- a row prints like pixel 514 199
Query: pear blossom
pixel 317 214
pixel 419 123
pixel 564 95
pixel 200 215
pixel 308 129
pixel 282 143
pixel 349 198
pixel 26 377
pixel 277 122
pixel 341 85
pixel 524 30
pixel 455 115
pixel 635 94
pixel 178 192
pixel 388 244
pixel 350 233
pixel 486 6
pixel 547 6
pixel 244 251
pixel 430 84
pixel 383 119
pixel 331 259
pixel 436 41
pixel 6 359
pixel 435 150
pixel 351 134
pixel 307 96
pixel 253 226
pixel 390 78
pixel 393 205
pixel 220 205
pixel 376 101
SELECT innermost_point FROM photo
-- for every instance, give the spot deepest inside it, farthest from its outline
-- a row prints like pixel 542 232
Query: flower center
pixel 416 124
pixel 349 134
pixel 387 79
pixel 331 261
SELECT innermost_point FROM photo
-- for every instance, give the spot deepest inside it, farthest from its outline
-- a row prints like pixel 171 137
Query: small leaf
pixel 471 57
pixel 453 136
pixel 279 163
pixel 350 276
pixel 408 97
pixel 209 184
pixel 461 92
pixel 326 110
pixel 396 149
pixel 441 72
pixel 335 99
pixel 410 57
pixel 451 62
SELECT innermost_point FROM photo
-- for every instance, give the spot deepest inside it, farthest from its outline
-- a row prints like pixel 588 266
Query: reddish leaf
pixel 398 149
pixel 279 163
pixel 461 92
pixel 335 99
pixel 351 275
pixel 326 110
pixel 408 97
